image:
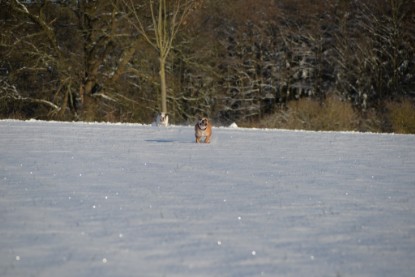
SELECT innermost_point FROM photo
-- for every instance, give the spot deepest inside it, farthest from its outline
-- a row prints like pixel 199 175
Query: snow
pixel 82 199
pixel 233 125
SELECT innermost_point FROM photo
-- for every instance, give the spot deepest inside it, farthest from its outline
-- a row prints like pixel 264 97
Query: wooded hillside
pixel 342 64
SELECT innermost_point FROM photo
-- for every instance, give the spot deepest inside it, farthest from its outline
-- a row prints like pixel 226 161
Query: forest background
pixel 296 64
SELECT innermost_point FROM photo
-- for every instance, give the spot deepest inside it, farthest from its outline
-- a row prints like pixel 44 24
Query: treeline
pixel 249 61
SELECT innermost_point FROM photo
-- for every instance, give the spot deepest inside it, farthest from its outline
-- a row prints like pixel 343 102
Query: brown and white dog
pixel 203 129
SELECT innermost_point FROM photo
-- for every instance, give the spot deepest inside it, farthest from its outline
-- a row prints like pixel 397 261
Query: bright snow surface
pixel 131 200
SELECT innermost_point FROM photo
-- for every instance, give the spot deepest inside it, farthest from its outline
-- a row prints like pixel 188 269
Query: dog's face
pixel 203 130
pixel 203 123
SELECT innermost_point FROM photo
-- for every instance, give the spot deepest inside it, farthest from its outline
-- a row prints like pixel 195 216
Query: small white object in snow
pixel 120 236
pixel 104 260
pixel 219 242
pixel 17 258
pixel 253 253
pixel 239 218
pixel 233 125
pixel 93 206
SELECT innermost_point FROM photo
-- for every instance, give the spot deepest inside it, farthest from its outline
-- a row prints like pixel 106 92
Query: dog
pixel 203 129
pixel 162 120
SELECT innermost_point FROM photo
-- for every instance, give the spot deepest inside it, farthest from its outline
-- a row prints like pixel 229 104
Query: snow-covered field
pixel 130 200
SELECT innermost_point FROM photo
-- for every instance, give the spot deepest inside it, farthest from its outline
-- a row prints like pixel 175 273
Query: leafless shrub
pixel 402 116
pixel 308 114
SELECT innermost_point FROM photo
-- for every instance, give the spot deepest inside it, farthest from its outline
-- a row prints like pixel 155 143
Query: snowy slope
pixel 131 200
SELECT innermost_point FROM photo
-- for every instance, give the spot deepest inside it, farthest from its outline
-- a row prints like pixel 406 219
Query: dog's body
pixel 203 129
pixel 162 119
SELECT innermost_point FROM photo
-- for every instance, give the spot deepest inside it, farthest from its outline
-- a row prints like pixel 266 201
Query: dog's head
pixel 203 123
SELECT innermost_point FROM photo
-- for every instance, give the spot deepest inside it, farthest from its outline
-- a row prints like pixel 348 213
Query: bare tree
pixel 47 46
pixel 34 48
pixel 166 19
pixel 64 60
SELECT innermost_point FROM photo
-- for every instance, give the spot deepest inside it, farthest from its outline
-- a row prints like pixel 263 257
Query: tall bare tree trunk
pixel 163 85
